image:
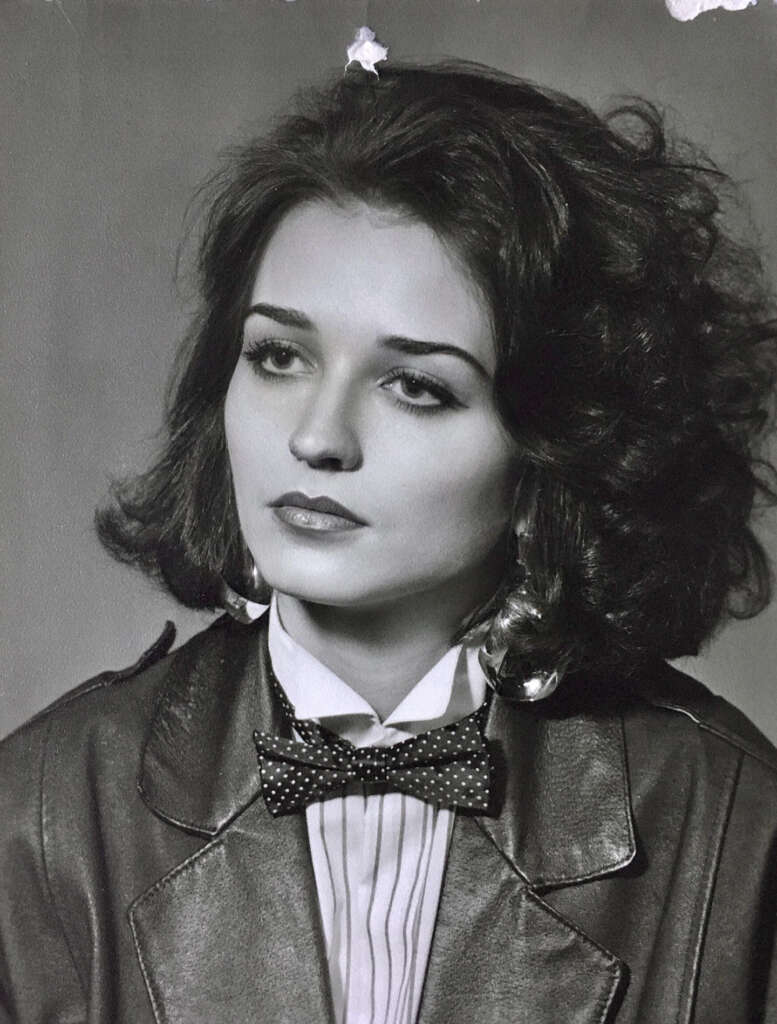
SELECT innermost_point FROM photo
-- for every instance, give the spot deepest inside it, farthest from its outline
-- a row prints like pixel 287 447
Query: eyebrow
pixel 398 343
pixel 432 348
pixel 281 315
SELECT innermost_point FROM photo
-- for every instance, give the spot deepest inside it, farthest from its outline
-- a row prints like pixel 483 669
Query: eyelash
pixel 443 396
pixel 258 350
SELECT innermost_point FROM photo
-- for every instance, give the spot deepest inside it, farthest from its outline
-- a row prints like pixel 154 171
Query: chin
pixel 336 587
pixel 317 584
pixel 348 578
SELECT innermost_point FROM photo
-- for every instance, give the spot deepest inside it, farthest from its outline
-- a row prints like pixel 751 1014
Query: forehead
pixel 376 271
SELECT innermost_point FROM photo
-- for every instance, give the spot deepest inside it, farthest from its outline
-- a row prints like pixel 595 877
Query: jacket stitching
pixel 43 823
pixel 696 943
pixel 166 880
pixel 607 1003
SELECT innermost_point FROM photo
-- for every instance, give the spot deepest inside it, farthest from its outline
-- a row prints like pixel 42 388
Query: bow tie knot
pixel 369 764
pixel 449 766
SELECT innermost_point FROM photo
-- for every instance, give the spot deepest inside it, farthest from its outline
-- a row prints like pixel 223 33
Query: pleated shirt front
pixel 378 858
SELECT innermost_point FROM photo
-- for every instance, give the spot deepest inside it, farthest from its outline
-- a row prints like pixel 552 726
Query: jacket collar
pixel 566 809
pixel 199 768
pixel 562 813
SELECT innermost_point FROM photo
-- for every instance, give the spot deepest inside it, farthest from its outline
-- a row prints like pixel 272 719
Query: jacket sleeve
pixel 38 978
pixel 738 957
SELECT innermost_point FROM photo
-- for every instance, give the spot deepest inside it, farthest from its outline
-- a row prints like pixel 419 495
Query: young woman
pixel 473 403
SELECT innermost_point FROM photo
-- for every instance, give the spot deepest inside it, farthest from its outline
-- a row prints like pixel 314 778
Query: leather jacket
pixel 627 873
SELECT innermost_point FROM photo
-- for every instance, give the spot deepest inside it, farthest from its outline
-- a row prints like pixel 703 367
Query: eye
pixel 272 357
pixel 418 393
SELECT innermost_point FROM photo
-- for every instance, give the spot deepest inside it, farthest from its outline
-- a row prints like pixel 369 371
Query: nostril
pixel 332 457
pixel 324 461
pixel 328 462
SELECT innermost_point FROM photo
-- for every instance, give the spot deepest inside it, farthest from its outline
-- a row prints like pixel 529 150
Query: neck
pixel 381 651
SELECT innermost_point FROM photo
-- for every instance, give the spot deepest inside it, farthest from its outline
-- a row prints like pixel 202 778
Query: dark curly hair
pixel 635 354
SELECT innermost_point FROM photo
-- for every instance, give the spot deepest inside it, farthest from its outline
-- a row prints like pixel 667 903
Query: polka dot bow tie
pixel 449 766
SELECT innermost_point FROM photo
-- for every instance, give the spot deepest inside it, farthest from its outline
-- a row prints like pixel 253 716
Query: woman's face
pixel 365 380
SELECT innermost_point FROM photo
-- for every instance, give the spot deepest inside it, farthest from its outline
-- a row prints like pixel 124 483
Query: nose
pixel 325 436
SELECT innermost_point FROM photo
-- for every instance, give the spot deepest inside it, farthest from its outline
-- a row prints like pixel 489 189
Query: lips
pixel 325 506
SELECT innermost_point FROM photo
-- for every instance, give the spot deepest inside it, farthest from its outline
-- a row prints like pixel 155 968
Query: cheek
pixel 236 430
pixel 466 484
pixel 243 425
pixel 251 431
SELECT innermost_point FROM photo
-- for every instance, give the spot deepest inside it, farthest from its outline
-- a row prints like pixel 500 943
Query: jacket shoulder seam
pixel 732 739
pixel 149 657
pixel 741 745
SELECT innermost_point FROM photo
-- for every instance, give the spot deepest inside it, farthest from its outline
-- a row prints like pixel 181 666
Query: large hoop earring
pixel 242 609
pixel 501 667
pixel 516 686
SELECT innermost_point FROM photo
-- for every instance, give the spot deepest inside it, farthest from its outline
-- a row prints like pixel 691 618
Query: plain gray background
pixel 112 113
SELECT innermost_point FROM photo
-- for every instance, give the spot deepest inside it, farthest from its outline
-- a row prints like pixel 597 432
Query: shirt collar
pixel 452 688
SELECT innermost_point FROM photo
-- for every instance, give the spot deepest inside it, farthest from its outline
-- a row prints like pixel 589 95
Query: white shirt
pixel 378 859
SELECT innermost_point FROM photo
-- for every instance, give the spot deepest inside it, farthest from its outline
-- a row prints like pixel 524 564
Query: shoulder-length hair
pixel 635 357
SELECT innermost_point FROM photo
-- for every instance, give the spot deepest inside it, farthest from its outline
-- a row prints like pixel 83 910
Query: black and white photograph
pixel 388 513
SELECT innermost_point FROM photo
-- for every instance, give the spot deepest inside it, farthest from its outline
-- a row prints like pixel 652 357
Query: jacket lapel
pixel 499 952
pixel 232 934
